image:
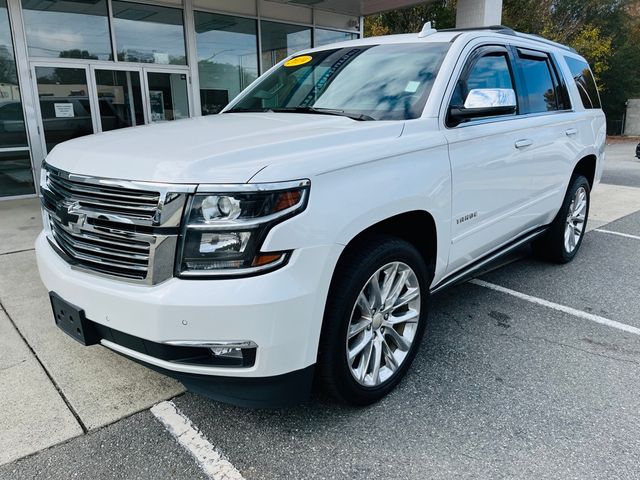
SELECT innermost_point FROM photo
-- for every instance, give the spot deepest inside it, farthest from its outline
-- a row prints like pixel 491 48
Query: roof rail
pixel 509 31
pixel 495 28
pixel 538 38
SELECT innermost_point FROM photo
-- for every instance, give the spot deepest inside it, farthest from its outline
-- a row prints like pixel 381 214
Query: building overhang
pixel 354 7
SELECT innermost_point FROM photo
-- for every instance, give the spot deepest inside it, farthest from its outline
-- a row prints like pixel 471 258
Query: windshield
pixel 372 82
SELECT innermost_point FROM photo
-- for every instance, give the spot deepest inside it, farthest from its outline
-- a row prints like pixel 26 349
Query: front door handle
pixel 571 131
pixel 525 142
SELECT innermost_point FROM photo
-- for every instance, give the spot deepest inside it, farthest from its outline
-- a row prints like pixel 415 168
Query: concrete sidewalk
pixel 53 388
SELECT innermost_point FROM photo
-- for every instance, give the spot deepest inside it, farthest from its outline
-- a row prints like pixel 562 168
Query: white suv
pixel 298 234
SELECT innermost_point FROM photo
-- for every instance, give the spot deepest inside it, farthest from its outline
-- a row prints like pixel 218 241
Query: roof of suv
pixel 449 35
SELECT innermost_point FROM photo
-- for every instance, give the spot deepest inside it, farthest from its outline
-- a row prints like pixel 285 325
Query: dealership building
pixel 75 67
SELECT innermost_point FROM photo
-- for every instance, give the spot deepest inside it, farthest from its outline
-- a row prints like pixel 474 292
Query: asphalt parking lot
pixel 531 372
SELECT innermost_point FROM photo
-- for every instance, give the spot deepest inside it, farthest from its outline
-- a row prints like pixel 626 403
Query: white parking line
pixel 556 306
pixel 187 435
pixel 635 237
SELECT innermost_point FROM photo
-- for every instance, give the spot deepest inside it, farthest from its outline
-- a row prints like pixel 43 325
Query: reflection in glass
pixel 227 58
pixel 280 40
pixel 15 174
pixel 119 99
pixel 67 28
pixel 585 82
pixel 373 82
pixel 64 104
pixel 325 37
pixel 149 34
pixel 12 131
pixel 541 93
pixel 168 96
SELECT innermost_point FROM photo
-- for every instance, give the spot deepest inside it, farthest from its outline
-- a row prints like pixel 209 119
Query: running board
pixel 470 271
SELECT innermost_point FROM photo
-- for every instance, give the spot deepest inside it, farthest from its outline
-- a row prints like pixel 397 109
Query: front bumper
pixel 280 311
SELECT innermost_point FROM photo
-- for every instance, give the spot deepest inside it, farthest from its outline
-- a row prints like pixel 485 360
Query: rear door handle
pixel 526 142
pixel 571 131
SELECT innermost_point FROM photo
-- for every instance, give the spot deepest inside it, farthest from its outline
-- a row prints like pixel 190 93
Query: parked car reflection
pixel 12 129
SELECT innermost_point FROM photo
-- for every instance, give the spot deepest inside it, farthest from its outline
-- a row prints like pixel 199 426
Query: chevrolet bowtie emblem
pixel 70 216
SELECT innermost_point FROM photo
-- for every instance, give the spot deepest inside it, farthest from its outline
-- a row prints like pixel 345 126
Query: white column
pixel 195 107
pixel 478 13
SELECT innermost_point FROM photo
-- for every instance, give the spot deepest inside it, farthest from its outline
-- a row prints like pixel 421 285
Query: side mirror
pixel 484 102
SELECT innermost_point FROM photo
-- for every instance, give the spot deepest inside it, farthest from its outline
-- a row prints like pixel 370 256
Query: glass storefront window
pixel 279 40
pixel 64 104
pixel 227 58
pixel 148 33
pixel 15 174
pixel 168 96
pixel 325 37
pixel 67 29
pixel 12 128
pixel 16 177
pixel 119 99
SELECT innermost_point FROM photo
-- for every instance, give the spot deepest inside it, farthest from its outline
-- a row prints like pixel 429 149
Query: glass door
pixel 167 95
pixel 64 103
pixel 120 100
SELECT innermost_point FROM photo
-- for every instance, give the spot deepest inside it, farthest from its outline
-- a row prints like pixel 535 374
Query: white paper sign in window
pixel 63 110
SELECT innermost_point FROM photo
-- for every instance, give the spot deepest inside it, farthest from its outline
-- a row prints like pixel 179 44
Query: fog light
pixel 226 352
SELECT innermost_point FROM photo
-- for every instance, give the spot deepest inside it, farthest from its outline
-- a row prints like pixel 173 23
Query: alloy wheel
pixel 383 324
pixel 576 217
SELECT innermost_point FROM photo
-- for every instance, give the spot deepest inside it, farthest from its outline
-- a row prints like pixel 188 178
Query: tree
pixel 441 14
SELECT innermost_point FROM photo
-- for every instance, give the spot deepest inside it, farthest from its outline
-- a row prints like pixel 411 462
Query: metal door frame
pixel 154 68
pixel 91 93
pixel 119 67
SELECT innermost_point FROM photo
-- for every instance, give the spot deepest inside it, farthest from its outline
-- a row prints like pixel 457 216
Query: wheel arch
pixel 417 227
pixel 587 166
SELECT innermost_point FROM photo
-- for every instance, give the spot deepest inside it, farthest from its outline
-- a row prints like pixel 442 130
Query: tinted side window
pixel 489 71
pixel 541 91
pixel 585 82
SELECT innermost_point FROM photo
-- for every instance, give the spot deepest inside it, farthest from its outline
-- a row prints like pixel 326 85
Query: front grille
pixel 104 253
pixel 112 227
pixel 108 199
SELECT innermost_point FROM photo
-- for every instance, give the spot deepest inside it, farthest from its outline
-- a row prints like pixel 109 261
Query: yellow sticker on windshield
pixel 297 61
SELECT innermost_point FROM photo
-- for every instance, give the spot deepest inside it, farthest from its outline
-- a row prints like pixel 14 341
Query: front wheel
pixel 374 320
pixel 564 237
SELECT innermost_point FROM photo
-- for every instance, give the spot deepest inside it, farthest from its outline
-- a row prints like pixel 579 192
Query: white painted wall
pixel 632 120
pixel 478 13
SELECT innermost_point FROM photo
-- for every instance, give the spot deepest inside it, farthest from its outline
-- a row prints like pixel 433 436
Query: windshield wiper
pixel 324 111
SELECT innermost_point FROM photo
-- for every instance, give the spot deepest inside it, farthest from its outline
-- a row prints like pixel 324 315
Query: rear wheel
pixel 374 320
pixel 564 237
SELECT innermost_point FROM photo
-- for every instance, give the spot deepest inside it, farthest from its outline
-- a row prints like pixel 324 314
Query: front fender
pixel 345 202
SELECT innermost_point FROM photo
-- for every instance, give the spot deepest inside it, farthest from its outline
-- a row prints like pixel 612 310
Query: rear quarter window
pixel 585 82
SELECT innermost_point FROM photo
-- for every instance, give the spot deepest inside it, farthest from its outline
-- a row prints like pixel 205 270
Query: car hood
pixel 227 148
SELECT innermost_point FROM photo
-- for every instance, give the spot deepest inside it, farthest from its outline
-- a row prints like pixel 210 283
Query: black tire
pixel 357 266
pixel 551 246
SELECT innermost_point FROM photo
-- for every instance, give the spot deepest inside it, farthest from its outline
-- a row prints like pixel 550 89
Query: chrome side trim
pixel 468 272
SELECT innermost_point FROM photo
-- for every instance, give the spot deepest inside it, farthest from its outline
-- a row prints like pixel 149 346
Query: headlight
pixel 223 230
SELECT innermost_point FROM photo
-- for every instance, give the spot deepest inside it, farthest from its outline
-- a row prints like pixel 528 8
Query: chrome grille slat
pixel 100 203
pixel 86 247
pixel 100 259
pixel 135 196
pixel 110 242
pixel 114 228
